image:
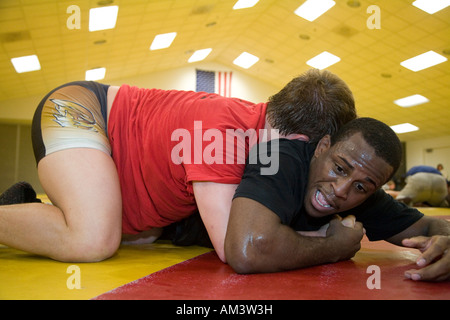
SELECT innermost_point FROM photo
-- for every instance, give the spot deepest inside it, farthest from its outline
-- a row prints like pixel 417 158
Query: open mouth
pixel 321 200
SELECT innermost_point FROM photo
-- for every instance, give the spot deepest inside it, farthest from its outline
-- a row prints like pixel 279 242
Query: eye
pixel 360 187
pixel 339 169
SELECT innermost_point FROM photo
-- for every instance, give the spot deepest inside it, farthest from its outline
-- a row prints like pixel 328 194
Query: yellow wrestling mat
pixel 30 277
pixel 26 276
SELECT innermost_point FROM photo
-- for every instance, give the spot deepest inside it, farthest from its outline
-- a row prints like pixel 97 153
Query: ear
pixel 294 136
pixel 323 145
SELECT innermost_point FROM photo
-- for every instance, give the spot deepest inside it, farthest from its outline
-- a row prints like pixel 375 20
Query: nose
pixel 341 188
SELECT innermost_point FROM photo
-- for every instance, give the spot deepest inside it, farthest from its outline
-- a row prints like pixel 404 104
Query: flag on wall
pixel 214 82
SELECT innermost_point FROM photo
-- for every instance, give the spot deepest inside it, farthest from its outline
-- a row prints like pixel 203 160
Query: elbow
pixel 241 264
pixel 221 255
pixel 245 256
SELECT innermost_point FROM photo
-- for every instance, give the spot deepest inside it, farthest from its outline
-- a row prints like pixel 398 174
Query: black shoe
pixel 21 192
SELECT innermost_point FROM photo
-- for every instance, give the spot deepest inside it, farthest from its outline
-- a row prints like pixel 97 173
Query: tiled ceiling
pixel 370 58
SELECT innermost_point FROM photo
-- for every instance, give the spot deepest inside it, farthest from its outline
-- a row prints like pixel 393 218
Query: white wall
pixel 429 152
pixel 242 86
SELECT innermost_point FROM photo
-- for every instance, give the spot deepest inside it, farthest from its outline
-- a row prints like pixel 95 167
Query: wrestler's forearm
pixel 438 227
pixel 257 242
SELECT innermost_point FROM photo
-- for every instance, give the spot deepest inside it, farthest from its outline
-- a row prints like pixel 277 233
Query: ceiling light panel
pixel 162 41
pixel 242 4
pixel 199 55
pixel 246 60
pixel 95 74
pixel 431 6
pixel 312 9
pixel 323 60
pixel 103 18
pixel 411 101
pixel 26 64
pixel 404 127
pixel 423 61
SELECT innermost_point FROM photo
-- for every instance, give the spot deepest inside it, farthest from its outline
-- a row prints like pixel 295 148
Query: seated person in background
pixel 389 188
pixel 417 169
pixel 272 216
pixel 424 186
pixel 440 167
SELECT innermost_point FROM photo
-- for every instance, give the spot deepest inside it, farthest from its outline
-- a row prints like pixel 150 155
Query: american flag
pixel 214 82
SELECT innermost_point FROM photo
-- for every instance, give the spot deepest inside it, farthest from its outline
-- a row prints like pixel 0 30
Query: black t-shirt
pixel 283 193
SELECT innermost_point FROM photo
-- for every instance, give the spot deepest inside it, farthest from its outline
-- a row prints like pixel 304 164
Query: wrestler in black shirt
pixel 284 193
pixel 272 215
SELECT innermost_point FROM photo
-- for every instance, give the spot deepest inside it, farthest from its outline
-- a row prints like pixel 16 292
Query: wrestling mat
pixel 162 271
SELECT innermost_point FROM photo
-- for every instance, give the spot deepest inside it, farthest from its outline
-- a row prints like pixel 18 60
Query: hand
pixel 322 232
pixel 346 235
pixel 348 221
pixel 434 260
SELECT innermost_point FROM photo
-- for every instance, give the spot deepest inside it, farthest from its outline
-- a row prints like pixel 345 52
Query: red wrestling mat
pixel 207 278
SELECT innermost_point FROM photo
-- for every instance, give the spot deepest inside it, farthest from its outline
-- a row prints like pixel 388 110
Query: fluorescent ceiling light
pixel 242 4
pixel 245 60
pixel 411 101
pixel 404 127
pixel 431 6
pixel 103 18
pixel 312 9
pixel 95 74
pixel 423 61
pixel 200 55
pixel 162 41
pixel 323 60
pixel 26 64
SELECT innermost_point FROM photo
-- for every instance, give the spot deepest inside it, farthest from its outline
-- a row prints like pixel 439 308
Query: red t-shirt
pixel 162 141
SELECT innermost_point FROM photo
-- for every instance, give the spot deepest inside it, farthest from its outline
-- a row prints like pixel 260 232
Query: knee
pixel 91 249
pixel 101 250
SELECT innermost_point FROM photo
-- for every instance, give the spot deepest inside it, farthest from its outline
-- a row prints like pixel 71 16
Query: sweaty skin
pixel 344 177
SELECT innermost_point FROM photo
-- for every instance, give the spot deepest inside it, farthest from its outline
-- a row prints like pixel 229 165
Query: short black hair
pixel 377 134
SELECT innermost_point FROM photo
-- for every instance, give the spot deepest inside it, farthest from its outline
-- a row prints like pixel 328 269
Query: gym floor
pixel 162 271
